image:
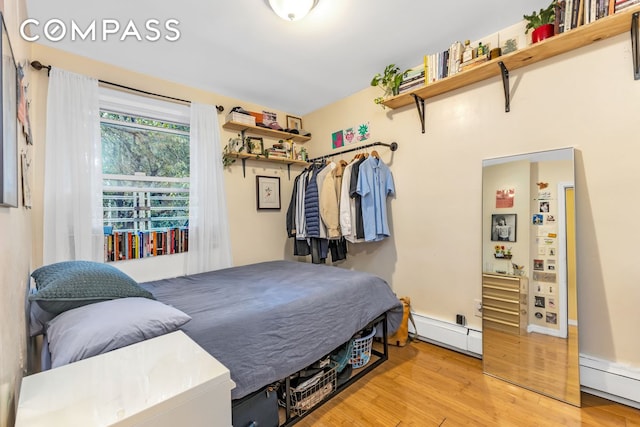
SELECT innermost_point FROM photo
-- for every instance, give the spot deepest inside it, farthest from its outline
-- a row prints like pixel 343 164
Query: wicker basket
pixel 361 352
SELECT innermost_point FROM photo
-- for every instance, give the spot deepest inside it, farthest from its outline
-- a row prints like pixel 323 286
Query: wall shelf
pixel 271 133
pixel 263 158
pixel 601 29
pixel 244 128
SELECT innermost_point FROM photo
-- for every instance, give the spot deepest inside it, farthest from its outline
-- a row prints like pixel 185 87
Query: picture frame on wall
pixel 255 145
pixel 513 38
pixel 268 192
pixel 294 123
pixel 503 227
pixel 9 125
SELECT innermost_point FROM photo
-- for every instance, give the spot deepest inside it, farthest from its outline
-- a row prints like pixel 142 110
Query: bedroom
pixel 434 254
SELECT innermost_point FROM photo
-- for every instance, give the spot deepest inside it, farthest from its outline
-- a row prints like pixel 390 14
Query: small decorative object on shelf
pixel 518 270
pixel 502 252
pixel 541 23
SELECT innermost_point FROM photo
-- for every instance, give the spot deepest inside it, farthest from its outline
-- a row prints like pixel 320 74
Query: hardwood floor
pixel 425 385
pixel 547 364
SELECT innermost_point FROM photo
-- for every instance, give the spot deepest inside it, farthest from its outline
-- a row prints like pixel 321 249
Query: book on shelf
pixel 123 245
pixel 624 4
pixel 568 13
pixel 577 13
pixel 560 10
pixel 474 62
pixel 410 85
pixel 414 77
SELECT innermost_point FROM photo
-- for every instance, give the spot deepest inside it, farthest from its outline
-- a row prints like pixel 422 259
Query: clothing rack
pixel 392 146
pixel 39 66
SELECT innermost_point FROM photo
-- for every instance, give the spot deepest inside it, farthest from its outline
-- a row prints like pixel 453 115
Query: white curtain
pixel 73 170
pixel 209 242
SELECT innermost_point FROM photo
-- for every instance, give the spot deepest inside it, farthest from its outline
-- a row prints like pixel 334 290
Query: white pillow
pixel 101 327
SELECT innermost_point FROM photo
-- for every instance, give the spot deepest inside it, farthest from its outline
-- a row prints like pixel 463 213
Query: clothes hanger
pixel 375 154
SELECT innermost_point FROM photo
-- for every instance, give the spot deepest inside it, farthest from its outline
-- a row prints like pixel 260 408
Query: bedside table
pixel 165 381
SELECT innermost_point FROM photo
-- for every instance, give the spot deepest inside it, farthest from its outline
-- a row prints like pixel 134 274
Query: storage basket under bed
pixel 361 351
pixel 311 392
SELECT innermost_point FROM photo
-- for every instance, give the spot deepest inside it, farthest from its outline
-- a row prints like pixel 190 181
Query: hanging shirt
pixel 301 224
pixel 322 174
pixel 375 184
pixel 345 202
pixel 329 211
pixel 312 203
pixel 353 192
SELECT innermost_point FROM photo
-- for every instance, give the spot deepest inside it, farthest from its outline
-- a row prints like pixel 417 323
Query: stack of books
pixel 443 64
pixel 278 151
pixel 122 245
pixel 413 80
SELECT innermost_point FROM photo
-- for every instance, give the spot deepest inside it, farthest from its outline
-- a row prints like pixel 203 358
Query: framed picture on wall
pixel 268 192
pixel 9 116
pixel 503 227
pixel 294 122
pixel 255 145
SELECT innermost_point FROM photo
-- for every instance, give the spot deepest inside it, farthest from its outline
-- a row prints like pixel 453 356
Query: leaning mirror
pixel 529 292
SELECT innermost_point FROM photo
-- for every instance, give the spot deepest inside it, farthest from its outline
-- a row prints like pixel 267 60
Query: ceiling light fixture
pixel 292 10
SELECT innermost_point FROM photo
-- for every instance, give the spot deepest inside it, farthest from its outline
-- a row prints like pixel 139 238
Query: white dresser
pixel 167 381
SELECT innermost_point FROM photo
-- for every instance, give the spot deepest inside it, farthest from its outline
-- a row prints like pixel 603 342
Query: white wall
pixel 586 99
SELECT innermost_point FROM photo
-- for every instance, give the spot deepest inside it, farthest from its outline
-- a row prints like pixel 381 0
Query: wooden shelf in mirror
pixel 257 130
pixel 601 29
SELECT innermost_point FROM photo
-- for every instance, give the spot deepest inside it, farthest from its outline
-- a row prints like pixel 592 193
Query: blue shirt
pixel 375 183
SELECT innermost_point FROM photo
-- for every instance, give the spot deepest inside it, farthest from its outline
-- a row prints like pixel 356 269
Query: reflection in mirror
pixel 529 292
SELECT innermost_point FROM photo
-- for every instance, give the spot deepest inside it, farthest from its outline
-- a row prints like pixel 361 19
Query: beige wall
pixel 514 175
pixel 586 99
pixel 15 257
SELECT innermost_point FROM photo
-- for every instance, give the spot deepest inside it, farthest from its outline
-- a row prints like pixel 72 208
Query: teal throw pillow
pixel 70 284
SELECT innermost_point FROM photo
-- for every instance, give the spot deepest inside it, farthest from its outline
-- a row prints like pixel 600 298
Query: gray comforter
pixel 268 320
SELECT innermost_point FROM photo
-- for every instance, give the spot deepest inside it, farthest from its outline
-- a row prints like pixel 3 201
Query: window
pixel 145 164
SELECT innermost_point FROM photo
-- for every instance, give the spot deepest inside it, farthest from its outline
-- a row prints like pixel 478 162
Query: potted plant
pixel 541 22
pixel 389 81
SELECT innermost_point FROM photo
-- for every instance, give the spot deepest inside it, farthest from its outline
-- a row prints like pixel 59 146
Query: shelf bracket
pixel 420 107
pixel 505 84
pixel 244 162
pixel 635 49
pixel 289 170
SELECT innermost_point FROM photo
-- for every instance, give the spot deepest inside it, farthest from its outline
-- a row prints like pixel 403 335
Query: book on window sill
pixel 123 245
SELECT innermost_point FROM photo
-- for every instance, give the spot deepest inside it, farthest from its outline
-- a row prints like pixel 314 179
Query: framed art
pixel 9 124
pixel 503 227
pixel 294 122
pixel 513 38
pixel 268 192
pixel 254 145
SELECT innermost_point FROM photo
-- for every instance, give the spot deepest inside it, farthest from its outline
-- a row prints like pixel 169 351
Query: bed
pixel 264 321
